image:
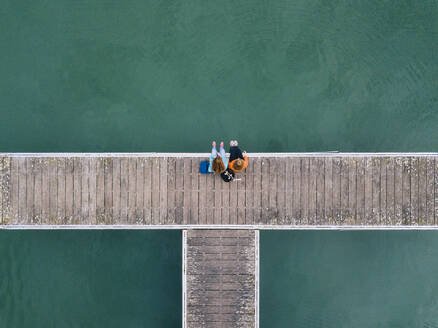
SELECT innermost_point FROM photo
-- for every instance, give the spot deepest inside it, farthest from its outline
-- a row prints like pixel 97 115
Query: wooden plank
pixel 44 191
pixel 53 194
pixel 116 191
pixel 312 190
pixel 360 190
pixel 422 191
pixel 187 190
pixel 304 192
pixel 132 189
pixel 2 188
pixel 296 205
pixel 7 189
pixel 15 191
pixel 273 214
pixel 390 192
pixel 328 191
pixel 376 190
pixel 406 191
pixel 265 190
pixel 163 190
pixel 30 192
pixel 398 190
pixel 257 191
pixel 414 192
pixel 108 190
pixel 100 190
pixel 6 215
pixel 233 200
pixel 61 176
pixel 430 195
pixel 217 191
pixel 124 190
pixel 92 190
pixel 220 233
pixel 225 202
pixel 435 202
pixel 139 192
pixel 179 196
pixel 22 186
pixel 77 191
pixel 336 197
pixel 37 190
pixel 288 187
pixel 147 203
pixel 171 185
pixel 69 190
pixel 85 195
pixel 249 193
pixel 241 196
pixel 352 195
pixel 281 190
pixel 383 191
pixel 209 198
pixel 194 200
pixel 320 190
pixel 345 192
pixel 368 191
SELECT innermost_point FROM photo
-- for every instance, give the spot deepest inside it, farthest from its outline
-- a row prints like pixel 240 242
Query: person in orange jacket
pixel 238 161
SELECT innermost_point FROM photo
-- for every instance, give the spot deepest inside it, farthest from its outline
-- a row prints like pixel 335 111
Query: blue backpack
pixel 203 167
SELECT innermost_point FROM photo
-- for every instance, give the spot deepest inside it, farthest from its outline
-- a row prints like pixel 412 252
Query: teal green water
pixel 65 279
pixel 284 75
pixel 385 279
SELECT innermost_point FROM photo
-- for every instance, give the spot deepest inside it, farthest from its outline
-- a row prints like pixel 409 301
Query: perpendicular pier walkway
pixel 220 279
pixel 166 190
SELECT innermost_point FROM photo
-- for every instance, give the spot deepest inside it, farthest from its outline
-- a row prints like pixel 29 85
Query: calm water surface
pixel 283 75
pixel 315 279
pixel 65 279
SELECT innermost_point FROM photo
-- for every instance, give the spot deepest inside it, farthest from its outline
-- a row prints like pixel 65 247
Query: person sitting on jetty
pixel 238 160
pixel 218 161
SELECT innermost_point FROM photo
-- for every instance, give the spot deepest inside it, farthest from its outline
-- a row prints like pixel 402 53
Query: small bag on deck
pixel 203 167
pixel 227 175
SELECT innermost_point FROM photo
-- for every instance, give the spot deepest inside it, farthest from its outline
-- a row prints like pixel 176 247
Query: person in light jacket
pixel 218 160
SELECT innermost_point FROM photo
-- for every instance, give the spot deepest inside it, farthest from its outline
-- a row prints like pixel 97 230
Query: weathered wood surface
pixel 323 189
pixel 220 278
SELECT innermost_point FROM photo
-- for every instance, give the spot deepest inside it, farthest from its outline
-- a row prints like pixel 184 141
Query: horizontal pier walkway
pixel 285 189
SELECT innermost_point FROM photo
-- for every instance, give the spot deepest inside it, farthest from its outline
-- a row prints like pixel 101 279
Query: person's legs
pixel 213 149
pixel 235 153
pixel 212 157
pixel 222 150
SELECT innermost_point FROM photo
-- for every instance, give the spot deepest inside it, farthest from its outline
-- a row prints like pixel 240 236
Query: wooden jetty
pixel 220 221
pixel 220 279
pixel 166 190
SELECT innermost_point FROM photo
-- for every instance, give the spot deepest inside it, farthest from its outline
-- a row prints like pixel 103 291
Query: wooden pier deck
pixel 292 190
pixel 220 278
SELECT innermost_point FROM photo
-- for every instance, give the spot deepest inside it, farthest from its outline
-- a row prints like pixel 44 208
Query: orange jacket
pixel 245 164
